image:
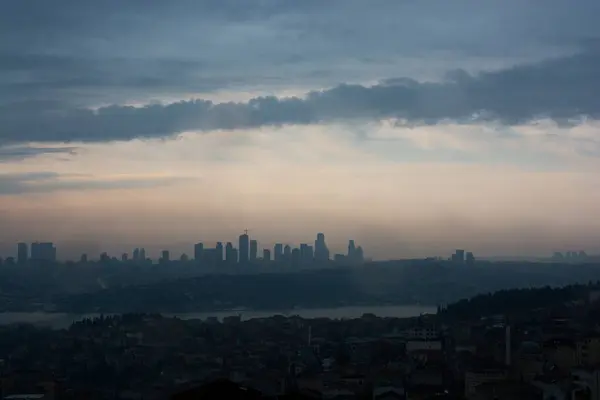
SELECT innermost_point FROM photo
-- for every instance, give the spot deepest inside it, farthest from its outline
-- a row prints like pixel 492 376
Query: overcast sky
pixel 413 127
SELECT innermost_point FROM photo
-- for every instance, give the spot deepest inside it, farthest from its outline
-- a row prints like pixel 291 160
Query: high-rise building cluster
pixel 246 253
pixel 570 256
pixel 37 252
pixel 462 257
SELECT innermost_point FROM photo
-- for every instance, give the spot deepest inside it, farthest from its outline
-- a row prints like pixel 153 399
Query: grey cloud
pixel 95 52
pixel 44 182
pixel 561 89
pixel 12 153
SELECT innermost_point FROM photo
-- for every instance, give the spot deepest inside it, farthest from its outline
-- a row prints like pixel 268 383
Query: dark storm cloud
pixel 44 182
pixel 560 89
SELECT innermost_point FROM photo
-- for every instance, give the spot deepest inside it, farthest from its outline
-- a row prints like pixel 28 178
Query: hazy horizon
pixel 414 128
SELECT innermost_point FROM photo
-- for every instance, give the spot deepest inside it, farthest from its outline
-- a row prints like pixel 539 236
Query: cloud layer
pixel 109 52
pixel 560 89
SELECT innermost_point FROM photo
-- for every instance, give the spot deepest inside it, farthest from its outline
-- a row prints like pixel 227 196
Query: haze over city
pixel 414 128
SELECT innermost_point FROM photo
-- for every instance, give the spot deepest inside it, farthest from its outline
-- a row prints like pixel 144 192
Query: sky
pixel 412 127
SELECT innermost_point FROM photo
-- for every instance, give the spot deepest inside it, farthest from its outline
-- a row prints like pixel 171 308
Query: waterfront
pixel 62 320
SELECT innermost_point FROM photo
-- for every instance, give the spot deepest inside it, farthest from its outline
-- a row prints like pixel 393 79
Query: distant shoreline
pixel 60 320
pixel 241 309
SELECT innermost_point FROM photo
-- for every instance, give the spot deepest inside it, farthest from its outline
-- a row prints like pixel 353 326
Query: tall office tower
pixel 143 254
pixel 351 251
pixel 44 251
pixel 360 256
pixel 470 259
pixel 165 257
pixel 235 255
pixel 287 254
pixel 295 258
pixel 104 258
pixel 136 254
pixel 460 256
pixel 253 250
pixel 244 247
pixel 266 255
pixel 321 250
pixel 22 253
pixel 124 257
pixel 278 252
pixel 219 253
pixel 83 259
pixel 230 256
pixel 310 254
pixel 306 254
pixel 198 250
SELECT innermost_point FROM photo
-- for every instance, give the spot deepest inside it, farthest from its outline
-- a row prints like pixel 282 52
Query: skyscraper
pixel 295 258
pixel 360 256
pixel 266 255
pixel 321 250
pixel 287 254
pixel 278 252
pixel 470 259
pixel 219 253
pixel 198 250
pixel 136 254
pixel 166 256
pixel 22 253
pixel 460 256
pixel 253 250
pixel 43 251
pixel 306 254
pixel 351 251
pixel 244 247
pixel 230 255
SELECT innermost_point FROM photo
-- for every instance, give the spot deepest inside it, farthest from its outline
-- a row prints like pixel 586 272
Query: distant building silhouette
pixel 219 253
pixel 230 254
pixel 266 255
pixel 470 259
pixel 458 257
pixel 295 258
pixel 306 254
pixel 287 254
pixel 44 251
pixel 253 250
pixel 198 251
pixel 278 252
pixel 165 257
pixel 22 253
pixel 351 250
pixel 244 248
pixel 321 250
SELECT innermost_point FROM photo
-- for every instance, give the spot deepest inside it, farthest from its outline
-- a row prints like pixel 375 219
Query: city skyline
pixel 411 127
pixel 247 252
pixel 256 251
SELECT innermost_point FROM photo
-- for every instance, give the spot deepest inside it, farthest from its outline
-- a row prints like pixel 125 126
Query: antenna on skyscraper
pixel 245 231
